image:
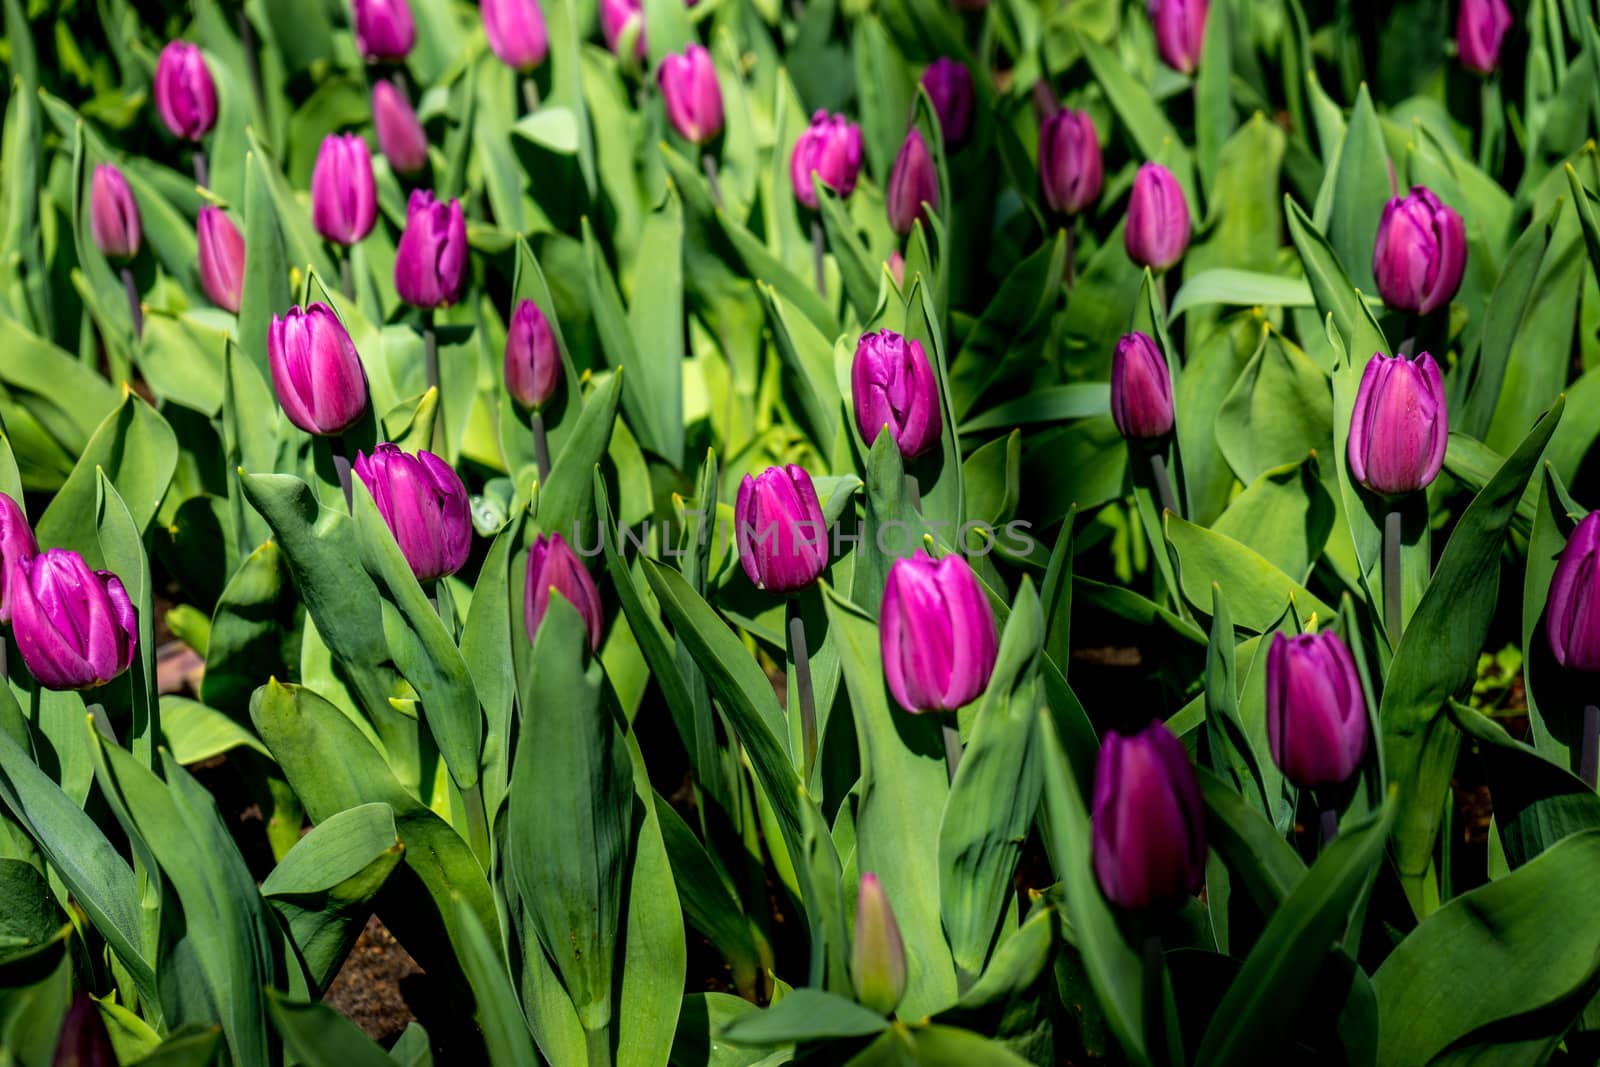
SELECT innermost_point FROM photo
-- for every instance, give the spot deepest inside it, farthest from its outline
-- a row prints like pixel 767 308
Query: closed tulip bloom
pixel 221 258
pixel 913 184
pixel 1149 821
pixel 533 364
pixel 16 543
pixel 424 504
pixel 949 86
pixel 1157 233
pixel 384 29
pixel 84 1040
pixel 619 18
pixel 1180 31
pixel 1400 425
pixel 783 536
pixel 831 149
pixel 113 214
pixel 893 387
pixel 316 371
pixel 1420 253
pixel 1141 388
pixel 877 953
pixel 1070 168
pixel 937 633
pixel 1480 31
pixel 1317 727
pixel 400 134
pixel 897 267
pixel 1572 613
pixel 693 97
pixel 430 264
pixel 74 626
pixel 554 567
pixel 344 196
pixel 186 96
pixel 516 32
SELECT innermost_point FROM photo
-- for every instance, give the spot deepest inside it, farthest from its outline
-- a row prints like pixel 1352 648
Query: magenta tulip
pixel 1572 611
pixel 1180 31
pixel 937 633
pixel 1157 233
pixel 693 97
pixel 516 32
pixel 893 388
pixel 384 29
pixel 949 86
pixel 1070 168
pixel 782 534
pixel 316 371
pixel 554 568
pixel 1149 834
pixel 16 543
pixel 186 96
pixel 425 506
pixel 400 134
pixel 913 184
pixel 830 148
pixel 1400 425
pixel 344 196
pixel 1317 728
pixel 1420 253
pixel 533 363
pixel 221 248
pixel 430 264
pixel 1480 31
pixel 74 626
pixel 113 214
pixel 618 19
pixel 1141 388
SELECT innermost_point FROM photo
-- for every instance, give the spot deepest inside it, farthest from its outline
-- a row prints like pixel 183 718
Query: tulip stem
pixel 1044 99
pixel 1589 760
pixel 247 41
pixel 1155 999
pixel 202 176
pixel 541 445
pixel 135 311
pixel 1330 825
pixel 1392 611
pixel 1158 471
pixel 709 163
pixel 530 93
pixel 1068 274
pixel 598 1043
pixel 952 745
pixel 347 277
pixel 430 355
pixel 800 663
pixel 341 467
pixel 818 247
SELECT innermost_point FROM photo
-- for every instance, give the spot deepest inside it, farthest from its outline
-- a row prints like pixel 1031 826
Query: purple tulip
pixel 877 953
pixel 831 149
pixel 430 264
pixel 384 30
pixel 424 504
pixel 16 543
pixel 1157 234
pixel 113 214
pixel 1180 31
pixel 949 86
pixel 1572 613
pixel 1420 253
pixel 693 97
pixel 1149 821
pixel 84 1040
pixel 75 627
pixel 1070 168
pixel 783 537
pixel 1317 725
pixel 1480 31
pixel 344 196
pixel 893 387
pixel 221 258
pixel 533 364
pixel 554 567
pixel 186 96
pixel 316 370
pixel 1400 425
pixel 618 18
pixel 516 32
pixel 937 633
pixel 1141 388
pixel 897 268
pixel 913 184
pixel 400 134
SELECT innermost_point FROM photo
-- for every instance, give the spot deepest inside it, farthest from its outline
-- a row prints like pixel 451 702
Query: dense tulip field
pixel 727 532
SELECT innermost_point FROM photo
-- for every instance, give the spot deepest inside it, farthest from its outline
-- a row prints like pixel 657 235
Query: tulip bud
pixel 316 370
pixel 1141 388
pixel 913 183
pixel 1480 31
pixel 533 365
pixel 893 387
pixel 949 86
pixel 75 627
pixel 16 543
pixel 618 19
pixel 783 537
pixel 877 954
pixel 430 264
pixel 830 148
pixel 221 258
pixel 186 97
pixel 693 97
pixel 1317 725
pixel 1572 612
pixel 937 633
pixel 897 268
pixel 84 1040
pixel 344 196
pixel 1420 253
pixel 1180 31
pixel 113 214
pixel 554 567
pixel 424 504
pixel 1070 168
pixel 1157 233
pixel 384 30
pixel 1149 821
pixel 400 134
pixel 1400 425
pixel 516 32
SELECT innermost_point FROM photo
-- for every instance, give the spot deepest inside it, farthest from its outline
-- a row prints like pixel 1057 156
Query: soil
pixel 367 989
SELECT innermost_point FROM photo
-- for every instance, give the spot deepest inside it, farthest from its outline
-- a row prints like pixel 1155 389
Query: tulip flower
pixel 533 364
pixel 897 267
pixel 16 543
pixel 516 32
pixel 893 388
pixel 75 627
pixel 949 86
pixel 221 258
pixel 1149 821
pixel 1141 388
pixel 400 134
pixel 937 633
pixel 913 184
pixel 430 264
pixel 1480 31
pixel 1157 233
pixel 1420 253
pixel 693 97
pixel 344 196
pixel 877 954
pixel 1180 31
pixel 554 567
pixel 113 214
pixel 424 504
pixel 618 18
pixel 1400 425
pixel 384 30
pixel 783 537
pixel 316 371
pixel 1572 612
pixel 1070 168
pixel 84 1040
pixel 830 148
pixel 186 97
pixel 1317 728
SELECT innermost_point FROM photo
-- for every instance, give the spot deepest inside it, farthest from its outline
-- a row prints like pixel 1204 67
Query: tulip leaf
pixel 1286 515
pixel 1279 410
pixel 246 638
pixel 121 549
pixel 494 621
pixel 803 1015
pixel 936 1045
pixel 1254 850
pixel 498 1013
pixel 566 501
pixel 857 268
pixel 1258 592
pixel 1556 696
pixel 1008 338
pixel 892 527
pixel 1227 746
pixel 32 916
pixel 1358 178
pixel 1223 285
pixel 38 991
pixel 761 263
pixel 53 406
pixel 319 1036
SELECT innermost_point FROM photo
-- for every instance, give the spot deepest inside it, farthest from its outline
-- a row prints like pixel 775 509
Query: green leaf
pixel 1359 183
pixel 804 1015
pixel 1286 515
pixel 936 1046
pixel 1279 411
pixel 266 266
pixel 1258 592
pixel 709 905
pixel 319 1036
pixel 1239 287
pixel 1252 847
pixel 566 502
pixel 195 732
pixel 246 640
pixel 32 917
pixel 498 1013
pixel 53 404
pixel 138 452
